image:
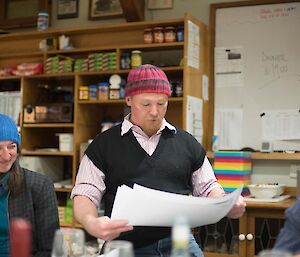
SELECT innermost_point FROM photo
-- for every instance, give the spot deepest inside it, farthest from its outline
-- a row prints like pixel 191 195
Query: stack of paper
pixel 143 206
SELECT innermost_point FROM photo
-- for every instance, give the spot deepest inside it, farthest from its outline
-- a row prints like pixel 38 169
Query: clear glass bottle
pixel 180 237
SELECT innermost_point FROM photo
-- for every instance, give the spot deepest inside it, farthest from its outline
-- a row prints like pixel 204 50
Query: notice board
pixel 261 40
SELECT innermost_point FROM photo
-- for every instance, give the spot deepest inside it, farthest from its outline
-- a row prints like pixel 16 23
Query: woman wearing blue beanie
pixel 24 194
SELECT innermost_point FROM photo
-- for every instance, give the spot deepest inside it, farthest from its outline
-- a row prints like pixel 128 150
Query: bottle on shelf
pixel 180 237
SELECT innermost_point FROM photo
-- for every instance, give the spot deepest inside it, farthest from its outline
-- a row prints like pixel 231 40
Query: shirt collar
pixel 127 125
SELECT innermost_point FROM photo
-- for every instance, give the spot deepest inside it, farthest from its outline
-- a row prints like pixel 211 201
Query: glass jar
pixel 136 58
pixel 148 36
pixel 42 21
pixel 83 93
pixel 170 34
pixel 158 35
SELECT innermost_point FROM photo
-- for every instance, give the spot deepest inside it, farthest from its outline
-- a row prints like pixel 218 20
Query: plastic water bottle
pixel 180 237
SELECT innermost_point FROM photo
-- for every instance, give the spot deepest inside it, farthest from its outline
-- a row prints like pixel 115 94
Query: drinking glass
pixel 118 248
pixel 59 248
pixel 69 242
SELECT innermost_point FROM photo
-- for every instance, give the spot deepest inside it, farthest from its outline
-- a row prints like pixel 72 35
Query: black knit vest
pixel 124 161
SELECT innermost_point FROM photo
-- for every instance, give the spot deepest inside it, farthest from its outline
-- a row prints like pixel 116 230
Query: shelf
pixel 68 75
pixel 48 125
pixel 10 78
pixel 275 156
pixel 49 153
pixel 268 156
pixel 174 45
pixel 120 101
pixel 67 190
pixel 154 46
pixel 16 55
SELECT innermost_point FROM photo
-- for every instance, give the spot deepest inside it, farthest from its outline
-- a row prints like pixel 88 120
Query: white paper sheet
pixel 193 45
pixel 281 125
pixel 228 67
pixel 205 88
pixel 143 206
pixel 228 128
pixel 194 124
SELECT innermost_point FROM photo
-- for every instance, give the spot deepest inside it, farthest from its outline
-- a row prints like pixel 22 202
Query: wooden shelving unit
pixel 87 115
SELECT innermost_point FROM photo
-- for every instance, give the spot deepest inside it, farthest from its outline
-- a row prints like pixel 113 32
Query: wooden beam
pixel 133 10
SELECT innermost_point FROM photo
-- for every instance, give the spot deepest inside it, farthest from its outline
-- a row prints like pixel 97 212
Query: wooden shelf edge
pixel 32 152
pixel 120 101
pixel 48 125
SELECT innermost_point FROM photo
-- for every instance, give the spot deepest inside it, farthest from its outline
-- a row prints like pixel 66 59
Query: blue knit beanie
pixel 8 130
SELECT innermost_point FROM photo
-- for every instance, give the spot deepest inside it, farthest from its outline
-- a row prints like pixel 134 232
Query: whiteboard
pixel 269 39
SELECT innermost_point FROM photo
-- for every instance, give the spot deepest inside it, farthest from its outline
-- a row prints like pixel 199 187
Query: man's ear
pixel 128 100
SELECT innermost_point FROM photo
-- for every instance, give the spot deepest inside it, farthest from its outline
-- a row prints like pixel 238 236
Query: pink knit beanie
pixel 147 78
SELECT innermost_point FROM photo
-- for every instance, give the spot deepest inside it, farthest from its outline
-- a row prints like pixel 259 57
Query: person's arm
pixel 289 236
pixel 205 183
pixel 87 194
pixel 85 213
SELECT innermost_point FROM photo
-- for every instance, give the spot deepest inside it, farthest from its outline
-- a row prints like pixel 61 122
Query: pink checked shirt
pixel 90 181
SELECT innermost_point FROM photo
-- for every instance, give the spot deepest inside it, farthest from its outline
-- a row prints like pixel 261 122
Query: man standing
pixel 147 150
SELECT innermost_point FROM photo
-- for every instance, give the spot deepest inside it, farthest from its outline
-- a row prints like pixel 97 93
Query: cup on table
pixel 69 242
pixel 274 253
pixel 118 248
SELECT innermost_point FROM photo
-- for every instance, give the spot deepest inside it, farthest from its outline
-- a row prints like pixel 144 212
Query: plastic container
pixel 180 34
pixel 65 142
pixel 125 61
pixel 103 91
pixel 93 92
pixel 43 21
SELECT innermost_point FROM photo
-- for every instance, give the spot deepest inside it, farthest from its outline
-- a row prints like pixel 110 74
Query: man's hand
pixel 85 213
pixel 105 228
pixel 238 209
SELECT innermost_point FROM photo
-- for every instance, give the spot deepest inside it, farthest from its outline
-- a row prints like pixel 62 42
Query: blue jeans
pixel 163 248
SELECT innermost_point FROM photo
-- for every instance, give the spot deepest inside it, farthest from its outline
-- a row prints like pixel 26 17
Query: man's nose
pixel 154 110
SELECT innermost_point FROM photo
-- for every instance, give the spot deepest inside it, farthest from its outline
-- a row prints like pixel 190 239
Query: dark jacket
pixel 37 203
pixel 289 236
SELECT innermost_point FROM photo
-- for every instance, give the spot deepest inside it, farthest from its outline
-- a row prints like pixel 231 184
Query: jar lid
pixel 170 27
pixel 158 28
pixel 136 52
pixel 43 14
pixel 148 29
